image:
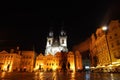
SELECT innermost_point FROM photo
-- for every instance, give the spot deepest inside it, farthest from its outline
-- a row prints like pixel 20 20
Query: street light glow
pixel 104 28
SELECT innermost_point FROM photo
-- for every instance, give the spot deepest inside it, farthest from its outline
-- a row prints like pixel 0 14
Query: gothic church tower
pixel 56 45
pixel 50 39
pixel 63 40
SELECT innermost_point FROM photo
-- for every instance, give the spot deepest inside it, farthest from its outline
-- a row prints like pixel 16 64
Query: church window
pixel 62 41
pixel 49 42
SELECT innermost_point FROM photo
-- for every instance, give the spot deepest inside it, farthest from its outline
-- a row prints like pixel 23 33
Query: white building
pixel 56 45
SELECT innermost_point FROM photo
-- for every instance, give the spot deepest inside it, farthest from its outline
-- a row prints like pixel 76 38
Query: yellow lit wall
pixel 71 60
pixel 78 60
pixel 27 61
pixel 54 62
pixel 99 47
pixel 9 61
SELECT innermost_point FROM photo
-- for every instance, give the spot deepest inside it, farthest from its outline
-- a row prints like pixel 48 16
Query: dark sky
pixel 29 24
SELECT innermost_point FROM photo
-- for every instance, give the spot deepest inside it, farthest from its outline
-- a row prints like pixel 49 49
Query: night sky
pixel 28 26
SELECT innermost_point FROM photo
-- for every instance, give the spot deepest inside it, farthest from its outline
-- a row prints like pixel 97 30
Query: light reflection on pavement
pixel 58 76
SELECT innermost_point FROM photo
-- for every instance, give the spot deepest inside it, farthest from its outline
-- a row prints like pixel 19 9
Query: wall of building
pixel 57 61
pixel 106 54
pixel 9 61
pixel 27 61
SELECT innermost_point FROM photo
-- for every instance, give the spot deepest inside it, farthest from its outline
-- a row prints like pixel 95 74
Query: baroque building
pixel 105 47
pixel 61 60
pixel 9 61
pixel 17 60
pixel 27 61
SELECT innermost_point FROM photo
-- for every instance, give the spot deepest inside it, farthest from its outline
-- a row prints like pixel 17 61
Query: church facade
pixel 55 45
pixel 57 56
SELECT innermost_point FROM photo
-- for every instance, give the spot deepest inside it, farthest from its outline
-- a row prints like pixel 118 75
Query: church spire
pixel 62 32
pixel 51 32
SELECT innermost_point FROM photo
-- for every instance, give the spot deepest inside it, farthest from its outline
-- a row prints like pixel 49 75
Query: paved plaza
pixel 58 76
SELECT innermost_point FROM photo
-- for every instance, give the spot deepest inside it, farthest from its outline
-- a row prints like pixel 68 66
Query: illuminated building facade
pixel 93 51
pixel 55 45
pixel 103 54
pixel 9 61
pixel 56 57
pixel 17 60
pixel 27 61
pixel 72 61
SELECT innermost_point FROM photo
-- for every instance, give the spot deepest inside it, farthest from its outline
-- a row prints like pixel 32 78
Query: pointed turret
pixel 63 38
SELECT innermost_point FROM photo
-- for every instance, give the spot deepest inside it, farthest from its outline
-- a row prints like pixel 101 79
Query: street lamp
pixel 105 28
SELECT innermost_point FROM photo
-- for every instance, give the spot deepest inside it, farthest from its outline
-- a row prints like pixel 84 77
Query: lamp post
pixel 104 28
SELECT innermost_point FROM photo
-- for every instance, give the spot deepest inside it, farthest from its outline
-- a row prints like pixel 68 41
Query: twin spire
pixel 62 33
pixel 56 43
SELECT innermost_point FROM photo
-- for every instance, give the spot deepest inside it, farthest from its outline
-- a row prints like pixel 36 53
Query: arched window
pixel 49 41
pixel 62 41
